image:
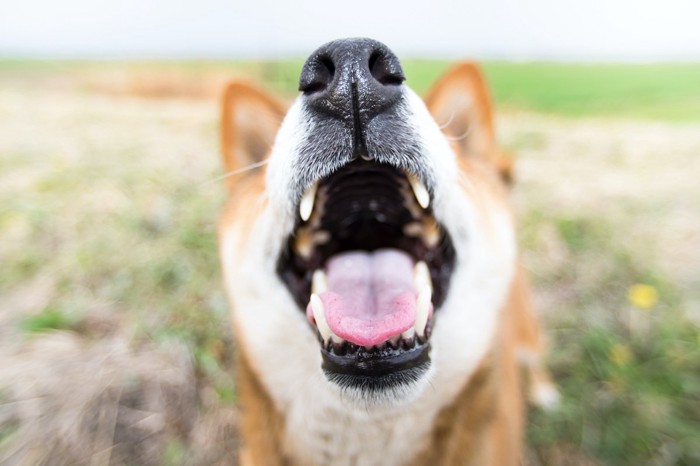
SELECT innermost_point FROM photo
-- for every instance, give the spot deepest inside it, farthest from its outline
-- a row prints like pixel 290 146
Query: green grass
pixel 662 91
pixel 629 376
pixel 48 319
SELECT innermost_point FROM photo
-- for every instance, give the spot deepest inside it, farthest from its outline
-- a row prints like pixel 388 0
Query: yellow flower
pixel 642 296
pixel 620 355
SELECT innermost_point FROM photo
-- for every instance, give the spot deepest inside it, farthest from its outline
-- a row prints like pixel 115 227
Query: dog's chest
pixel 325 435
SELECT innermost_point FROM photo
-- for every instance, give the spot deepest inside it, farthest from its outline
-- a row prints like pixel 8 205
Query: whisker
pixel 447 123
pixel 235 172
pixel 463 136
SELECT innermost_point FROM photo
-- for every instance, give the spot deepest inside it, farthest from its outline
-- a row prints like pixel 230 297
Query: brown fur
pixel 484 424
pixel 262 425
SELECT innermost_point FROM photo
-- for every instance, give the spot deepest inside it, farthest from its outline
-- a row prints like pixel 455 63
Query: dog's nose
pixel 352 79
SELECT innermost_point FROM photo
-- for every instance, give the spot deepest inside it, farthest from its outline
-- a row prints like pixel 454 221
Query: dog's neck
pixel 425 432
pixel 320 431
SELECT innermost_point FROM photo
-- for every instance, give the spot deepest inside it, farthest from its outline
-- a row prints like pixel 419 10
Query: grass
pixel 661 91
pixel 628 366
pixel 105 216
pixel 48 319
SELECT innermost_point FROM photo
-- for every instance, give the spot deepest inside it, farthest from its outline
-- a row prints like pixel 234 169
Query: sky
pixel 592 30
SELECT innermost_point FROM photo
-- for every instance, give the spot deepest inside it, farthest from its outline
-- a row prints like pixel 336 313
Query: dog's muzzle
pixel 367 260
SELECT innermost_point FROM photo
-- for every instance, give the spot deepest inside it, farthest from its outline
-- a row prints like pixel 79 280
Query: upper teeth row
pixel 421 280
pixel 306 206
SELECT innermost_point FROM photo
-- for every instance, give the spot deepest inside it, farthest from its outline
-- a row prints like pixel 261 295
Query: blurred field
pixel 114 338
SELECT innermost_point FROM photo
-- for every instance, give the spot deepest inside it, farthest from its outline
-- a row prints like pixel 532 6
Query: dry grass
pixel 114 339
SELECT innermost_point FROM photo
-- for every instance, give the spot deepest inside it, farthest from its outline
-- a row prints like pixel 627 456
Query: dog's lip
pixel 372 369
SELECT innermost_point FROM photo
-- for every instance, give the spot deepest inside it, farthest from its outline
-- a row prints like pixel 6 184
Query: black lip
pixel 377 370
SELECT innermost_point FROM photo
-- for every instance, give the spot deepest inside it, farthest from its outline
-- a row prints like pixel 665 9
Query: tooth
pixel 321 323
pixel 319 283
pixel 431 232
pixel 409 201
pixel 408 334
pixel 321 237
pixel 395 340
pixel 421 276
pixel 420 191
pixel 303 244
pixel 306 206
pixel 413 229
pixel 422 310
pixel 320 317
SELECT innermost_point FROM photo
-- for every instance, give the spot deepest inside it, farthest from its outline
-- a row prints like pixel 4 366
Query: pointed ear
pixel 461 105
pixel 249 121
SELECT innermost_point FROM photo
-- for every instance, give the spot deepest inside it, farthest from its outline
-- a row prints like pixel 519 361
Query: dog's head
pixel 374 252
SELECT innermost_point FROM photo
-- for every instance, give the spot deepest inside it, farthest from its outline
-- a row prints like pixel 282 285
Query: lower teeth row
pixel 346 347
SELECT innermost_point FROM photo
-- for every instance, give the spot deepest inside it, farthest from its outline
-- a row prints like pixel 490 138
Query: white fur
pixel 294 129
pixel 322 425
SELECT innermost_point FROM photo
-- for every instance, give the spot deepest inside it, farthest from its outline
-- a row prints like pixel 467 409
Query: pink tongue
pixel 371 296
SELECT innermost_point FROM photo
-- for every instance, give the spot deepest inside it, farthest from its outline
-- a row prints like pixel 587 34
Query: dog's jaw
pixel 284 350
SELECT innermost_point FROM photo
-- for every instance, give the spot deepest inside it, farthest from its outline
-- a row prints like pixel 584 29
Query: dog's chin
pixel 389 390
pixel 377 371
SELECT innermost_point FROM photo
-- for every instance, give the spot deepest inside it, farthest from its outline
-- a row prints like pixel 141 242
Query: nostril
pixel 385 69
pixel 317 76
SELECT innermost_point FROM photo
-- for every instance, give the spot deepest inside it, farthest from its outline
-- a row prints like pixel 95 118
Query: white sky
pixel 512 29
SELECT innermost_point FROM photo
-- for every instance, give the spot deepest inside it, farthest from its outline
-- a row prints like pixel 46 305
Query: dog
pixel 369 254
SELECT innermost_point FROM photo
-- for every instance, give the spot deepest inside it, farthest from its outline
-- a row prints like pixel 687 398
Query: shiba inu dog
pixel 378 309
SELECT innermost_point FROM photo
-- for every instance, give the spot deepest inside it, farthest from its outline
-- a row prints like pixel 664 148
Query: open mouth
pixel 370 265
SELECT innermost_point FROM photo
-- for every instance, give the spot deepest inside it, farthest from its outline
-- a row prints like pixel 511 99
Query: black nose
pixel 352 80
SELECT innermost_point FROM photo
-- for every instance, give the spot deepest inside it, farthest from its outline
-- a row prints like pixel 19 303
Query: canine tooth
pixel 409 200
pixel 320 318
pixel 420 191
pixel 306 206
pixel 421 276
pixel 319 282
pixel 409 334
pixel 422 310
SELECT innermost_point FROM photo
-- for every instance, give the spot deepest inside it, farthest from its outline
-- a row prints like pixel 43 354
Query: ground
pixel 115 345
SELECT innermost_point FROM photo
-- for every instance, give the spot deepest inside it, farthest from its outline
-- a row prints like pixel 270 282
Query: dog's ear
pixel 461 105
pixel 250 119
